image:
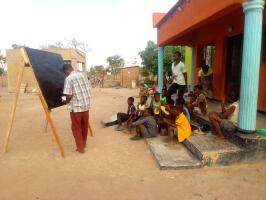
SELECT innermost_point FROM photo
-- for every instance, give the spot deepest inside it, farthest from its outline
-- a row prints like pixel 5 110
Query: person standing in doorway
pixel 179 78
pixel 77 90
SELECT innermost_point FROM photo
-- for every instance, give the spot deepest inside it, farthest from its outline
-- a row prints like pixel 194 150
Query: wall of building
pixel 218 32
pixel 128 75
pixel 14 63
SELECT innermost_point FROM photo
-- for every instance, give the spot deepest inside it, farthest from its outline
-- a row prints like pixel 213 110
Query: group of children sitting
pixel 156 115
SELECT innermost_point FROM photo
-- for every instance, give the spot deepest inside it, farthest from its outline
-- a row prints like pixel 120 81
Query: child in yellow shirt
pixel 181 126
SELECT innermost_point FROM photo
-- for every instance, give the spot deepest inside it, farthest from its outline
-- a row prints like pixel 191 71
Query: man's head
pixel 164 92
pixel 233 96
pixel 157 96
pixel 177 56
pixel 197 90
pixel 205 69
pixel 130 100
pixel 67 68
pixel 180 105
pixel 143 99
pixel 175 111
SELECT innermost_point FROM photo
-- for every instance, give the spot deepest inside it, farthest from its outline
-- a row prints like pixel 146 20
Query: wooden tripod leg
pixel 89 126
pixel 14 107
pixel 45 125
pixel 52 125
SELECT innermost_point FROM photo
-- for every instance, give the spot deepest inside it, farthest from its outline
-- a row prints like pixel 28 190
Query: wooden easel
pixel 44 105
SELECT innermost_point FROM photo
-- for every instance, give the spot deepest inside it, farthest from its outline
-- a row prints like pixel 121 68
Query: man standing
pixel 179 77
pixel 77 91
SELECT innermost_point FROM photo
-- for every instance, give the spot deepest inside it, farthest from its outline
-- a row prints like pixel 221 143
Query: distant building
pixel 129 74
pixel 14 61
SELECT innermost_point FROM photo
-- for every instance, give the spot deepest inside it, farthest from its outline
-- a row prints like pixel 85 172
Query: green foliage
pixel 2 64
pixel 150 58
pixel 96 70
pixel 18 46
pixel 115 62
pixel 2 71
pixel 69 43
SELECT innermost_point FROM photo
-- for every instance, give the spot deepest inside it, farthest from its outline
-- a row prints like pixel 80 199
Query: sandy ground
pixel 113 166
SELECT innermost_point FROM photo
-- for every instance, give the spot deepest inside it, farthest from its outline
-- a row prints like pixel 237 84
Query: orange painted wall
pixel 212 31
pixel 156 18
pixel 217 33
pixel 178 23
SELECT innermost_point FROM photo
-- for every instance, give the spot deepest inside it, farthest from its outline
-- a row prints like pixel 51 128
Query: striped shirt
pixel 77 85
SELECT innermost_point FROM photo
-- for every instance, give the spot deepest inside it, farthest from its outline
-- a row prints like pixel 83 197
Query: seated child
pixel 198 103
pixel 141 107
pixel 123 117
pixel 156 104
pixel 180 126
pixel 227 120
pixel 146 126
pixel 185 109
pixel 163 97
pixel 166 113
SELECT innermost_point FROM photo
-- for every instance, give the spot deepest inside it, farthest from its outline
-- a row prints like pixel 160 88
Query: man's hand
pixel 66 99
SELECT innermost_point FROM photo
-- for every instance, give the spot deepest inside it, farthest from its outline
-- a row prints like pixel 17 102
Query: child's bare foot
pixel 173 146
pixel 127 132
pixel 219 140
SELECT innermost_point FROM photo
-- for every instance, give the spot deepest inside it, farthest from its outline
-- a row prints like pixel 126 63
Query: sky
pixel 108 26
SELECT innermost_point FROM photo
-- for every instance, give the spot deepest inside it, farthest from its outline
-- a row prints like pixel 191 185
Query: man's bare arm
pixel 228 112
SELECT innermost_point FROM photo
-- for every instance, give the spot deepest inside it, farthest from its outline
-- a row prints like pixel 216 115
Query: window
pixel 208 55
pixel 67 62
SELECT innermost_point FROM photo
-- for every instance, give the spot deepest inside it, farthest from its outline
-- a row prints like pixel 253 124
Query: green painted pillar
pixel 160 69
pixel 253 10
pixel 189 63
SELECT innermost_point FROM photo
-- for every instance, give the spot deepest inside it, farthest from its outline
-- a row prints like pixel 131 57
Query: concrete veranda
pixel 113 166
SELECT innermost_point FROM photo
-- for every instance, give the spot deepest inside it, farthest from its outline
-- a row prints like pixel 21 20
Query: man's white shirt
pixel 178 71
pixel 77 85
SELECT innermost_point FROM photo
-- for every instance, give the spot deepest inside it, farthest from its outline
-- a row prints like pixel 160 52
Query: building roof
pixel 169 13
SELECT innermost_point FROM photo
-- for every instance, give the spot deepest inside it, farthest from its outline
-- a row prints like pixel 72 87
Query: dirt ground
pixel 113 167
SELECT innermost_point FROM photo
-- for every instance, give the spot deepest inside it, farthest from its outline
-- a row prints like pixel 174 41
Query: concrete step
pixel 251 142
pixel 167 158
pixel 213 152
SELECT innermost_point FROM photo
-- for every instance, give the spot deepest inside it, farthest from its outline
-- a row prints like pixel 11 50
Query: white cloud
pixel 108 26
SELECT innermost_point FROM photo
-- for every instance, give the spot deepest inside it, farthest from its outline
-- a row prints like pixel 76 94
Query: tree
pixel 2 64
pixel 69 43
pixel 17 46
pixel 99 68
pixel 2 67
pixel 149 58
pixel 115 62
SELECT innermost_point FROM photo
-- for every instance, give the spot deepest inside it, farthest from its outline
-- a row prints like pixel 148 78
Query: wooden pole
pixel 52 125
pixel 90 130
pixel 45 125
pixel 13 111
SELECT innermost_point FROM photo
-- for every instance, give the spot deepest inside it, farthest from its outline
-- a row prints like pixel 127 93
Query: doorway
pixel 234 64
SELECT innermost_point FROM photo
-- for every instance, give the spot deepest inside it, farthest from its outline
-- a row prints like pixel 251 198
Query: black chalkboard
pixel 48 70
